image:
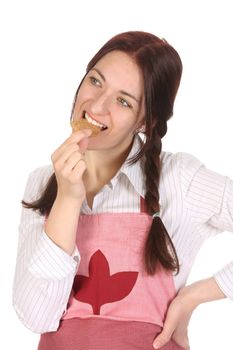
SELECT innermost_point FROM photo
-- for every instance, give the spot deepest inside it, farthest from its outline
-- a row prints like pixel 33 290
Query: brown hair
pixel 162 69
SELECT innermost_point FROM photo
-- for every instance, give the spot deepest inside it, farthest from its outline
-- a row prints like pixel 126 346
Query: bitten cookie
pixel 81 124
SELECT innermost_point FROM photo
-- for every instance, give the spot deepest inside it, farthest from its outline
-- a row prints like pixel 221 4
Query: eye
pixel 95 81
pixel 124 103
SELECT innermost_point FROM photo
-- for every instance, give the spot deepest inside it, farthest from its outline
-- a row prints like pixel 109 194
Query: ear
pixel 140 125
pixel 140 128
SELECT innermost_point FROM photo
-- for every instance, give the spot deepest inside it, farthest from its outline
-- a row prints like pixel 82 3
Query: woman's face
pixel 112 95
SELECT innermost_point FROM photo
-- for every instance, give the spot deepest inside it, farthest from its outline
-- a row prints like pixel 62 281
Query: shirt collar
pixel 133 172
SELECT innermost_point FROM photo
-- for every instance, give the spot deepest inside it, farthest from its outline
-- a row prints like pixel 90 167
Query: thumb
pixel 83 144
pixel 163 337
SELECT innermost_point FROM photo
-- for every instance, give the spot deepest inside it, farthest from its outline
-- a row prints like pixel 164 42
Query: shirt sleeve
pixel 44 273
pixel 208 198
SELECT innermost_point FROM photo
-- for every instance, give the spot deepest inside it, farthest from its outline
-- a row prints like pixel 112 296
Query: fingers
pixel 181 338
pixel 175 326
pixel 170 325
pixel 67 158
pixel 74 138
pixel 164 337
pixel 68 153
pixel 74 170
pixel 77 171
pixel 71 163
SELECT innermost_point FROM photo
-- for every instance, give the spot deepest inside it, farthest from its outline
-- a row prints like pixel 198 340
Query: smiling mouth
pixel 92 121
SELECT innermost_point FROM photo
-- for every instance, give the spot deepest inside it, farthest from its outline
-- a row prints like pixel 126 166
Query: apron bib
pixel 114 304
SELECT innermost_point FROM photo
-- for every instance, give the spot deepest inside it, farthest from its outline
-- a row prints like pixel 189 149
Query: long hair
pixel 161 68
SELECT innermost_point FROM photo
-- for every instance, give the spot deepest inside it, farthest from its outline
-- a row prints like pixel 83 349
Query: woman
pixel 110 230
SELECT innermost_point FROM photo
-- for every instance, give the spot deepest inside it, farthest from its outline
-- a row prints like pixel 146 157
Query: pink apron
pixel 114 304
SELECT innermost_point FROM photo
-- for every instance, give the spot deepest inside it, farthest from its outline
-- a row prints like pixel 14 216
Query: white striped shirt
pixel 196 203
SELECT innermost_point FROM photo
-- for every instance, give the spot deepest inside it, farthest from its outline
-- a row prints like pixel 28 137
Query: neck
pixel 103 165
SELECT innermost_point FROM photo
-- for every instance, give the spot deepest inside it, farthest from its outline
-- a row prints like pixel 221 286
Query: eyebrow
pixel 121 91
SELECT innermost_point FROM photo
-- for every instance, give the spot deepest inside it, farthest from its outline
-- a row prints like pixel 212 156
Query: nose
pixel 100 104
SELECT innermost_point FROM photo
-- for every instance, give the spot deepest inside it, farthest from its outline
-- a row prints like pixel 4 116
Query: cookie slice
pixel 81 124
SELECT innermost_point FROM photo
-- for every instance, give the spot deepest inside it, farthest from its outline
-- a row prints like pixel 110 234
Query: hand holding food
pixel 69 165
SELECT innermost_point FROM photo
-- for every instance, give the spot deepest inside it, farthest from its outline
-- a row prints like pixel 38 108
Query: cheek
pixel 123 118
pixel 83 95
pixel 87 92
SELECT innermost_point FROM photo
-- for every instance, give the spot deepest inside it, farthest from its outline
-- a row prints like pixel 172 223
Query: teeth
pixel 92 121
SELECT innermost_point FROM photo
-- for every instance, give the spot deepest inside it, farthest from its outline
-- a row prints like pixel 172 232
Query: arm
pixel 45 269
pixel 69 165
pixel 44 272
pixel 208 198
pixel 61 225
pixel 201 292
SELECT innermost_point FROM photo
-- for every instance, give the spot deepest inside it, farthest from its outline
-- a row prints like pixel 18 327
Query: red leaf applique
pixel 101 288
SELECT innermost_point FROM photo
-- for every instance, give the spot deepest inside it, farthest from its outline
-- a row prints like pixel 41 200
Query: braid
pixel 158 242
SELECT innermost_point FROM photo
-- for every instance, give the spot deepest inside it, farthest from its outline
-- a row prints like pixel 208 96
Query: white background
pixel 45 46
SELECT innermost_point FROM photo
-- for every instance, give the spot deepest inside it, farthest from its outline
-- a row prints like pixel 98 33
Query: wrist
pixel 188 296
pixel 67 200
pixel 201 292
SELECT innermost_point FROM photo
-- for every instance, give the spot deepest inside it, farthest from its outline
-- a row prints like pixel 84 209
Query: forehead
pixel 120 70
